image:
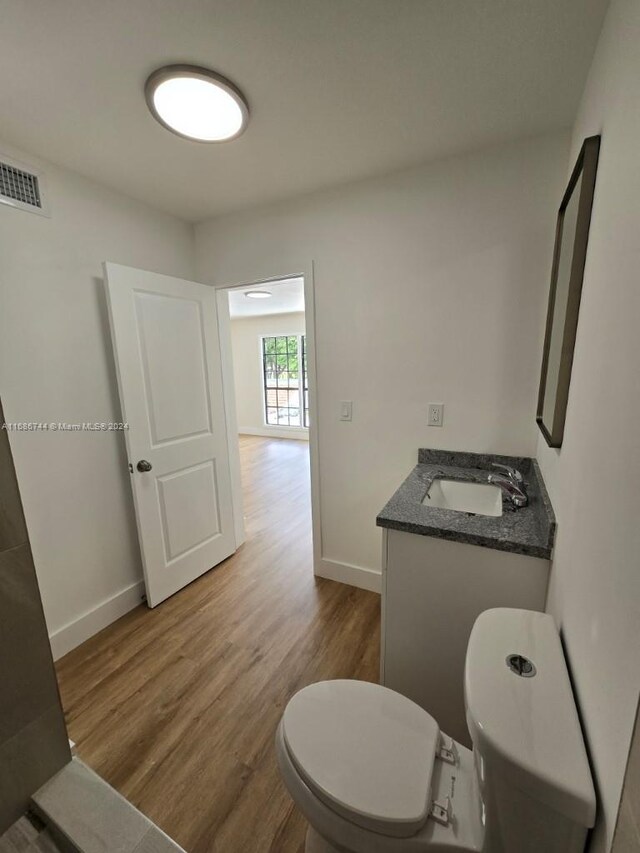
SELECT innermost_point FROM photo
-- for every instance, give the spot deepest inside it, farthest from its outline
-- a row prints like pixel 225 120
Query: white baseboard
pixel 349 574
pixel 276 432
pixel 94 620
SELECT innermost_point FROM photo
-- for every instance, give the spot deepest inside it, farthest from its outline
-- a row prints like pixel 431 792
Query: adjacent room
pixel 318 450
pixel 270 384
pixel 269 352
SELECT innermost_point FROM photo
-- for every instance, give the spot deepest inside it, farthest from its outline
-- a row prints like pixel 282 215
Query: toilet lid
pixel 366 751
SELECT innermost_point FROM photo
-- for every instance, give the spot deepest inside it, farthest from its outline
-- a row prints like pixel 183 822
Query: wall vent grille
pixel 20 186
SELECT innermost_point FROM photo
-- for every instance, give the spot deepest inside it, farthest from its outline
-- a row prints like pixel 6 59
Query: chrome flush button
pixel 521 665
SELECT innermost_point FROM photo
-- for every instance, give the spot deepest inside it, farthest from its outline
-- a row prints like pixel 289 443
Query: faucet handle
pixel 513 473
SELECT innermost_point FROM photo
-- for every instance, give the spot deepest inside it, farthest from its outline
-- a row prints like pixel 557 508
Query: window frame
pixel 303 381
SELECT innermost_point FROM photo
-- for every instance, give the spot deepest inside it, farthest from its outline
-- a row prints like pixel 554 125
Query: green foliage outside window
pixel 281 358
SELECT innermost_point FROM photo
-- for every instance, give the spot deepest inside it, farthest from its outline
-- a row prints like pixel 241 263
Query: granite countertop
pixel 528 530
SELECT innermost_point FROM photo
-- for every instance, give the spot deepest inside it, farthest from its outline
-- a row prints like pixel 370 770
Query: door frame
pixel 304 271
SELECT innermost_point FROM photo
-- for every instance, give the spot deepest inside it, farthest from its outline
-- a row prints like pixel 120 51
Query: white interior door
pixel 165 340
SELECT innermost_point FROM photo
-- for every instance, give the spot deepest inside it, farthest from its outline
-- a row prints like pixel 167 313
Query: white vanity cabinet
pixel 432 591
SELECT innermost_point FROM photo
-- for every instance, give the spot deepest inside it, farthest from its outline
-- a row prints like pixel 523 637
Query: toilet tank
pixel 533 773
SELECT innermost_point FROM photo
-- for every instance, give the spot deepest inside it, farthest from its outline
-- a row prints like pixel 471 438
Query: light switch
pixel 436 414
pixel 346 410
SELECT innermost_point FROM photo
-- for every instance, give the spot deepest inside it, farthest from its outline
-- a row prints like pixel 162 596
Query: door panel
pixel 189 508
pixel 172 343
pixel 165 340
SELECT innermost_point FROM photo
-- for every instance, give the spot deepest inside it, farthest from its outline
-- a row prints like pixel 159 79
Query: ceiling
pixel 287 296
pixel 338 89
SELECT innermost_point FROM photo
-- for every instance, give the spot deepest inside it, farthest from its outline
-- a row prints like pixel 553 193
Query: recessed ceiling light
pixel 257 294
pixel 196 103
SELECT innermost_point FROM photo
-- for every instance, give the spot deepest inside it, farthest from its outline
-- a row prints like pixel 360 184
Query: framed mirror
pixel 567 272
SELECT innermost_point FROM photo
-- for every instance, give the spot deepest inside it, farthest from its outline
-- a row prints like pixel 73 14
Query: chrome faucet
pixel 512 484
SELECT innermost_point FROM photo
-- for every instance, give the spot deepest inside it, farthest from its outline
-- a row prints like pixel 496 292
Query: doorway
pixel 174 351
pixel 267 357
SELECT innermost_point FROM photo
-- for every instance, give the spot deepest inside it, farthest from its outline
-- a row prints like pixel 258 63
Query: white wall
pixel 246 343
pixel 430 285
pixel 594 480
pixel 56 364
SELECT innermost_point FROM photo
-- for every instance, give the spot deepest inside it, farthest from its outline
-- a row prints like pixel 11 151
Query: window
pixel 286 390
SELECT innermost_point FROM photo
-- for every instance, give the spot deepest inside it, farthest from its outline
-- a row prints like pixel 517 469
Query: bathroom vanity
pixel 449 555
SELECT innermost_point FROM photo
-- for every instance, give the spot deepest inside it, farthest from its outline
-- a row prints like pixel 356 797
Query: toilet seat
pixel 367 752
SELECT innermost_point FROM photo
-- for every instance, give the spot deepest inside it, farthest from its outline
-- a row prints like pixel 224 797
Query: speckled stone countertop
pixel 529 530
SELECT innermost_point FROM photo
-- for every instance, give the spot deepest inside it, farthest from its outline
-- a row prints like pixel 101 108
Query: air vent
pixel 21 187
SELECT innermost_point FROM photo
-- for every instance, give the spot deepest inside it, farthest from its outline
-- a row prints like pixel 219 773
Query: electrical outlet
pixel 346 410
pixel 436 414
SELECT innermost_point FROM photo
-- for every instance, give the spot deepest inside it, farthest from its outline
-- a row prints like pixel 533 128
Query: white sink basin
pixel 478 498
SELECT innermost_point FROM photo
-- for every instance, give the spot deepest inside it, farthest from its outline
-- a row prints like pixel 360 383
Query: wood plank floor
pixel 177 707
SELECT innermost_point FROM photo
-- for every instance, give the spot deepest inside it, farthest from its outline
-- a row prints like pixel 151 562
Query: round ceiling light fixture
pixel 196 103
pixel 258 294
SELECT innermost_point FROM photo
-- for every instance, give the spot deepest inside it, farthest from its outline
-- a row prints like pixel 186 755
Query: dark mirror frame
pixel 585 168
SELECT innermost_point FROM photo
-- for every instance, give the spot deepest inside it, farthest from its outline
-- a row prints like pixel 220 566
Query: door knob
pixel 143 466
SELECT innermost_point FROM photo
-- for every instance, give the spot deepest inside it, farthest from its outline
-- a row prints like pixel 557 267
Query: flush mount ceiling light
pixel 257 294
pixel 196 103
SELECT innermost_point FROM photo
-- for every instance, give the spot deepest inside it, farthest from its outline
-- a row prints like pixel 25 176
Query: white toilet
pixel 372 772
